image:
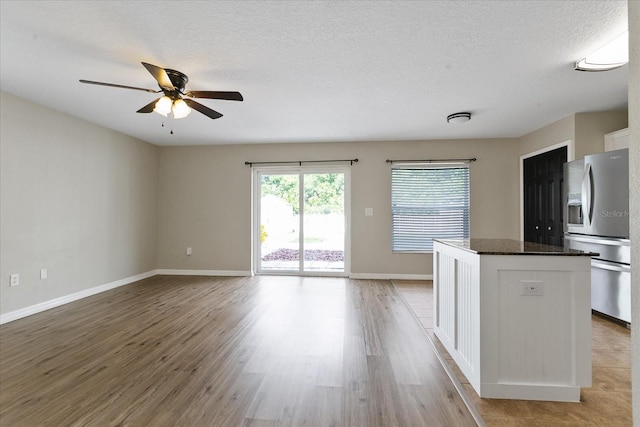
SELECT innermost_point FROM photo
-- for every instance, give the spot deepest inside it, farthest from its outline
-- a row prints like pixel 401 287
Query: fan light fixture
pixel 166 105
pixel 458 117
pixel 180 109
pixel 613 55
pixel 163 106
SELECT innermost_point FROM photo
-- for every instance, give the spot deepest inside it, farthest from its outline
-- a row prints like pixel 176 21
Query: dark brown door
pixel 543 176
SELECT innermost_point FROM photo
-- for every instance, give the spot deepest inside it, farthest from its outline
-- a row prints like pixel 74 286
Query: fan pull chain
pixel 171 132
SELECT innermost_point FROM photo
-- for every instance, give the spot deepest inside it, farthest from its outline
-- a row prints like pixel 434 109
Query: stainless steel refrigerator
pixel 596 194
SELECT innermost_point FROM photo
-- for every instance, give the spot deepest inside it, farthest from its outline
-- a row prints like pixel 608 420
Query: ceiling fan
pixel 175 100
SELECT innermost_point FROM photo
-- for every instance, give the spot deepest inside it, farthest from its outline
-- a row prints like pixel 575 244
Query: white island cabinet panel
pixel 515 317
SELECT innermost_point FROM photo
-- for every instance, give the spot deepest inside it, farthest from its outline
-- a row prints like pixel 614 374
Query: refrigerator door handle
pixel 611 266
pixel 587 194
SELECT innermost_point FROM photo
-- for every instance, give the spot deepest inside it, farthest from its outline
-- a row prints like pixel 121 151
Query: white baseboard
pixel 378 276
pixel 171 272
pixel 46 305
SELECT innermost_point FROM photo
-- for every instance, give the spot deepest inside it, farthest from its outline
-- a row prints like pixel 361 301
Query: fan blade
pixel 229 96
pixel 149 107
pixel 204 110
pixel 120 86
pixel 160 75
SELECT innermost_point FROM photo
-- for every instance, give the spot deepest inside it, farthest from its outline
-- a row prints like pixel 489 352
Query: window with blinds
pixel 428 202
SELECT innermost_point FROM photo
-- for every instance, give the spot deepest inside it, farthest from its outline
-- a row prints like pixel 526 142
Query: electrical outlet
pixel 43 273
pixel 532 288
pixel 15 280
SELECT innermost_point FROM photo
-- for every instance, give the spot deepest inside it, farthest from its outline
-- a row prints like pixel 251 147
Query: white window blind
pixel 428 202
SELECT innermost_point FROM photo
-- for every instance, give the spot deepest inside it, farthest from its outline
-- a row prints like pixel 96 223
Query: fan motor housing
pixel 178 79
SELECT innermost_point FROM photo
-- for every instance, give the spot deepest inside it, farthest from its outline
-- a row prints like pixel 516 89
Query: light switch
pixel 43 273
pixel 368 211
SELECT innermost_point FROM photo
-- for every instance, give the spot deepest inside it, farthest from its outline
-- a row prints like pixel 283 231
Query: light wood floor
pixel 606 403
pixel 202 351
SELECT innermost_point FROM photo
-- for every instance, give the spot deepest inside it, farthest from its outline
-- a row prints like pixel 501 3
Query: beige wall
pixel 634 167
pixel 591 128
pixel 558 132
pixel 205 199
pixel 77 199
pixel 585 130
pixel 94 206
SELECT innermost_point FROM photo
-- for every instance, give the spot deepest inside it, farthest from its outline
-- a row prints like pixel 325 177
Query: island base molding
pixel 549 393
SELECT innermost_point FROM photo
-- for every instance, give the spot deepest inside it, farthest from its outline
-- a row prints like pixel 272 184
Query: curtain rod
pixel 432 161
pixel 300 162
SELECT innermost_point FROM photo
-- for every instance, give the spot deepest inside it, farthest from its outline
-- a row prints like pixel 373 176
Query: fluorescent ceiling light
pixel 612 55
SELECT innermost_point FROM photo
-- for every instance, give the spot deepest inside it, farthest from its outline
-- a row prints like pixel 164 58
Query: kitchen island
pixel 515 316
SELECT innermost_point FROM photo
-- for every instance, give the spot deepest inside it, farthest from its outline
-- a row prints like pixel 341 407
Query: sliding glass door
pixel 301 221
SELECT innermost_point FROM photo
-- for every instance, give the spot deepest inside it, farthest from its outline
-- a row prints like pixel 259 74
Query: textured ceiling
pixel 316 71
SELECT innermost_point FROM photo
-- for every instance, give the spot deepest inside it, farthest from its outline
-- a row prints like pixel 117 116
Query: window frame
pixel 396 248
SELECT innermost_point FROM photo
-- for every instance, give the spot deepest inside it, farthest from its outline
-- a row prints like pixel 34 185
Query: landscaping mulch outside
pixel 309 255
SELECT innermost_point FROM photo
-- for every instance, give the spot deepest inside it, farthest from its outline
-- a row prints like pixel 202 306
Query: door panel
pixel 543 213
pixel 324 222
pixel 610 197
pixel 279 207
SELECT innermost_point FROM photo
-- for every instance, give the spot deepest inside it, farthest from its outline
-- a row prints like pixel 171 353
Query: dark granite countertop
pixel 511 247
